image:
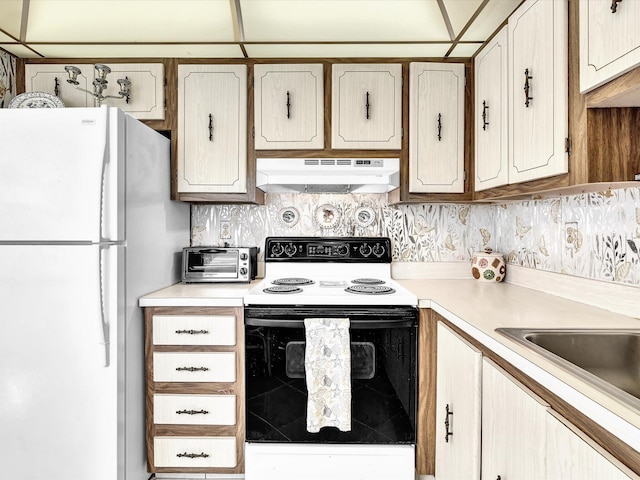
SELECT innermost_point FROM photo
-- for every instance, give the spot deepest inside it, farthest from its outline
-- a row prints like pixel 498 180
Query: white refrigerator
pixel 86 228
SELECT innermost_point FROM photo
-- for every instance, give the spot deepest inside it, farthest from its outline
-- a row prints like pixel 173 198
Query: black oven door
pixel 383 374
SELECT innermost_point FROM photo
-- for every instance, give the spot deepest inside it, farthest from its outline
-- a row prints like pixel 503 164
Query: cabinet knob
pixel 192 455
pixel 56 87
pixel 527 88
pixel 288 105
pixel 439 127
pixel 367 105
pixel 485 107
pixel 210 127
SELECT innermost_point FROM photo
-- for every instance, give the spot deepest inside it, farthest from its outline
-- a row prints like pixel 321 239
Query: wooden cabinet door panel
pixel 147 89
pixel 49 77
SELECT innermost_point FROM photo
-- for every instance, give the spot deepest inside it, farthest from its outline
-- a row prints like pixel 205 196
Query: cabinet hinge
pixel 253 132
pixel 402 132
pixel 165 81
pixel 567 145
pixel 464 176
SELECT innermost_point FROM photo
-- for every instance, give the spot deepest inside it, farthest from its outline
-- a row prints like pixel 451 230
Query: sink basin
pixel 607 359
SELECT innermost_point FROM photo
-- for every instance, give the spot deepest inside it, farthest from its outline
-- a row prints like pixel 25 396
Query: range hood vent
pixel 328 175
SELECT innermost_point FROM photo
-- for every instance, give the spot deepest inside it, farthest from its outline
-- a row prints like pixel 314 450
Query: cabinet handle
pixel 498 477
pixel 192 412
pixel 447 424
pixel 288 105
pixel 527 87
pixel 56 87
pixel 193 332
pixel 192 369
pixel 439 127
pixel 367 105
pixel 614 5
pixel 210 128
pixel 193 455
pixel 485 107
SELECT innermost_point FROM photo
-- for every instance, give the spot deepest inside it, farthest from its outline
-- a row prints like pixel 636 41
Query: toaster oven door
pixel 211 264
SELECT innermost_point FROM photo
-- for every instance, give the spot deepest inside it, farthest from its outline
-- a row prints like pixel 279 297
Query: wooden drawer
pixel 194 409
pixel 194 330
pixel 195 452
pixel 194 367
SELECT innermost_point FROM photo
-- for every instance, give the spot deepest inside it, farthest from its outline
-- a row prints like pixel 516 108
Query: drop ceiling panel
pixel 491 17
pixel 18 50
pixel 129 21
pixel 342 20
pixel 346 50
pixel 131 51
pixel 4 38
pixel 11 16
pixel 465 50
pixel 460 12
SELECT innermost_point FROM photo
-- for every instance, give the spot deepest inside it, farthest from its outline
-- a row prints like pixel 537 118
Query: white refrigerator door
pixel 51 169
pixel 61 409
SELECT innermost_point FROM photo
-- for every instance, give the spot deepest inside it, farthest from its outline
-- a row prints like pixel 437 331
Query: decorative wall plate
pixel 327 216
pixel 35 100
pixel 365 216
pixel 288 216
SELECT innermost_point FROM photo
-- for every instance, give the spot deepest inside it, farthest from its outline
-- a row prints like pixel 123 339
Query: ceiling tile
pixel 346 50
pixel 11 16
pixel 129 21
pixel 137 50
pixel 491 17
pixel 342 20
pixel 460 12
pixel 465 50
pixel 19 50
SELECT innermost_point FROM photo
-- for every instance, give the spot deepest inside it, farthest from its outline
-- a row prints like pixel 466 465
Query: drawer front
pixel 194 330
pixel 194 367
pixel 194 452
pixel 194 409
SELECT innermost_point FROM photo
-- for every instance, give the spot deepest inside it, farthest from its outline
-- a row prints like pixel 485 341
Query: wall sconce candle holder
pixel 100 83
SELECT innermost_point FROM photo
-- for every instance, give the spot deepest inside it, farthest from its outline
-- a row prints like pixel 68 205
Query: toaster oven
pixel 219 264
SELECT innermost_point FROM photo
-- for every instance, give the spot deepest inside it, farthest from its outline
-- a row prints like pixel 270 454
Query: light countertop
pixel 478 308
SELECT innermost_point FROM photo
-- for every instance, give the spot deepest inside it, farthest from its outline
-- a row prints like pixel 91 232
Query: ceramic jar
pixel 488 266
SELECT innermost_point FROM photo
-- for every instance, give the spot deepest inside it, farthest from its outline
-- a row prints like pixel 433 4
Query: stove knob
pixel 243 271
pixel 342 250
pixel 290 249
pixel 277 249
pixel 365 250
pixel 378 250
pixel 243 256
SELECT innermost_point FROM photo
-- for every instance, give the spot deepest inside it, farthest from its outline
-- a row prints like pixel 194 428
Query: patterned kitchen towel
pixel 328 373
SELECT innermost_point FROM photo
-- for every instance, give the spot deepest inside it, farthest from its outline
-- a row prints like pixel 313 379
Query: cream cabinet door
pixel 491 114
pixel 538 112
pixel 52 79
pixel 212 128
pixel 436 127
pixel 289 102
pixel 146 101
pixel 573 456
pixel 513 428
pixel 609 40
pixel 366 101
pixel 458 407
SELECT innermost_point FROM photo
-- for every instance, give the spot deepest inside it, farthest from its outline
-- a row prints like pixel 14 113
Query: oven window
pixel 383 385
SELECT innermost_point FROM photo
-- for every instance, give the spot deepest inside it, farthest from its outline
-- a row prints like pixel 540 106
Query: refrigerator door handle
pixel 103 179
pixel 104 324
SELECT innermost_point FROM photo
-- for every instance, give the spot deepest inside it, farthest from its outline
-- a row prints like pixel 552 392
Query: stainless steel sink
pixel 607 359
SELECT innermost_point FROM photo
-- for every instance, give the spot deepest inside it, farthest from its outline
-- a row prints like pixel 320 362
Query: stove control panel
pixel 328 249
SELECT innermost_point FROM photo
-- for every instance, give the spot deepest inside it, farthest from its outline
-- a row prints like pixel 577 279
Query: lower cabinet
pixel 513 428
pixel 458 404
pixel 519 435
pixel 195 389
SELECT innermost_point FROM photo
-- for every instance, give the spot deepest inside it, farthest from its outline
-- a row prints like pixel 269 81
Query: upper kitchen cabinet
pixel 538 90
pixel 491 114
pixel 52 79
pixel 366 106
pixel 289 101
pixel 212 129
pixel 436 128
pixel 609 40
pixel 146 101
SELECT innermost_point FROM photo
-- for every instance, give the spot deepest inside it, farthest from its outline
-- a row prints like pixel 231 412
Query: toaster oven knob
pixel 243 271
pixel 243 256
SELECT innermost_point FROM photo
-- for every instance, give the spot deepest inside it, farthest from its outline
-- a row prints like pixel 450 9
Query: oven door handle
pixel 353 324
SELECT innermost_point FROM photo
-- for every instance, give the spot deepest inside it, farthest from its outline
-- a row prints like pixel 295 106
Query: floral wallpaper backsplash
pixel 7 78
pixel 592 235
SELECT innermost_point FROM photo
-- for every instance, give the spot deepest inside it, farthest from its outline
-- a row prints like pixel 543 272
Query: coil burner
pixel 293 281
pixel 282 289
pixel 368 281
pixel 369 289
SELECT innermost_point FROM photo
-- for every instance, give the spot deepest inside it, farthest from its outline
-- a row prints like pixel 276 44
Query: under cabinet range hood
pixel 328 175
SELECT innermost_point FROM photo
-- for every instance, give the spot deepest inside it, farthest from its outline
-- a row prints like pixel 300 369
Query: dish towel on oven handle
pixel 327 365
